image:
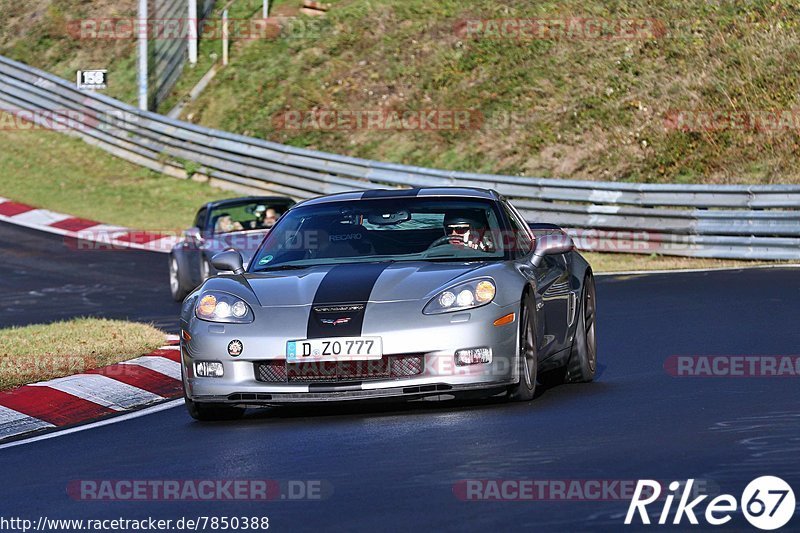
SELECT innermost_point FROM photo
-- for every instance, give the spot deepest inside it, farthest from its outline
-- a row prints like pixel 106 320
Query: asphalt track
pixel 43 278
pixel 393 467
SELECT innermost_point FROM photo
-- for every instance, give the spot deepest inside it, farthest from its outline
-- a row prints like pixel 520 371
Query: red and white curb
pixel 82 230
pixel 94 394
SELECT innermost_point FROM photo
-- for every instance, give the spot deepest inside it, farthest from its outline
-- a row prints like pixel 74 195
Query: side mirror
pixel 228 261
pixel 194 234
pixel 551 244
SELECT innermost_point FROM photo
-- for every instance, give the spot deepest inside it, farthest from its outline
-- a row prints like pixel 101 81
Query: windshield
pixel 411 229
pixel 244 217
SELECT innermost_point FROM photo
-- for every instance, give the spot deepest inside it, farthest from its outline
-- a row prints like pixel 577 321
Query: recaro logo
pixel 346 237
pixel 767 503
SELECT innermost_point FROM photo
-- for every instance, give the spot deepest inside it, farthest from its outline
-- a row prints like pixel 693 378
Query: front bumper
pixel 435 341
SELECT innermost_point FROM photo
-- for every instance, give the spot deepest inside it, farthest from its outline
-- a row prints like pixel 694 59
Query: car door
pixel 196 238
pixel 551 282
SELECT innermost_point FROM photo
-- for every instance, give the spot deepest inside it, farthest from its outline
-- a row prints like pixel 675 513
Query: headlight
pixel 468 295
pixel 218 306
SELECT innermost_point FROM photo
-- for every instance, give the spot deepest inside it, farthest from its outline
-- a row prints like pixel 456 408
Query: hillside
pixel 575 105
pixel 36 32
pixel 697 92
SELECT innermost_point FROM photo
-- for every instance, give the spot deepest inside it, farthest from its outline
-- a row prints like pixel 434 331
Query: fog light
pixel 473 356
pixel 208 369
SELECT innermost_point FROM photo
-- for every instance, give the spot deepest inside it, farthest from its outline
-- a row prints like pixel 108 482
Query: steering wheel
pixel 439 242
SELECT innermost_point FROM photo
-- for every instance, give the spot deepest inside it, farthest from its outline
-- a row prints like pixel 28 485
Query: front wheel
pixel 528 357
pixel 177 285
pixel 582 363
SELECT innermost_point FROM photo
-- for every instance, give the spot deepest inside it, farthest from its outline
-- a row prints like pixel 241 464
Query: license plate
pixel 334 349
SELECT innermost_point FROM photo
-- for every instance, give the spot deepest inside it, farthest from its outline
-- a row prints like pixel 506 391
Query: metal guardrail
pixel 732 221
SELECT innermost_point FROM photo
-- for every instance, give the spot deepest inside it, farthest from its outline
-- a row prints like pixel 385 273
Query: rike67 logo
pixel 767 502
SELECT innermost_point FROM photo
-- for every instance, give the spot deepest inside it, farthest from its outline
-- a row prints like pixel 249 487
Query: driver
pixel 467 231
pixel 266 217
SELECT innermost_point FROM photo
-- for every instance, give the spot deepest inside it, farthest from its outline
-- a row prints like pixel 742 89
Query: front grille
pixel 271 371
pixel 391 366
pixel 406 366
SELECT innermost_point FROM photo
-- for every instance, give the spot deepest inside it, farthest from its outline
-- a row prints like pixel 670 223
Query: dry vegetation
pixel 45 351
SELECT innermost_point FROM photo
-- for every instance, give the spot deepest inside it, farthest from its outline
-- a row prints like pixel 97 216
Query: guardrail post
pixel 143 36
pixel 193 32
pixel 225 37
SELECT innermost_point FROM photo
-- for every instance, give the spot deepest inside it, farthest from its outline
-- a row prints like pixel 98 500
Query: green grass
pixel 55 171
pixel 45 351
pixel 583 108
pixel 611 262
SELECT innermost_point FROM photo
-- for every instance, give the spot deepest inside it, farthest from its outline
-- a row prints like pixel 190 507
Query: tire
pixel 207 412
pixel 528 356
pixel 582 363
pixel 177 284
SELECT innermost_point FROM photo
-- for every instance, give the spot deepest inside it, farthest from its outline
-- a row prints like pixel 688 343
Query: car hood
pixel 364 282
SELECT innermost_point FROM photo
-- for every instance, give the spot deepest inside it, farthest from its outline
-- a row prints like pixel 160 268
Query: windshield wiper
pixel 282 267
pixel 460 259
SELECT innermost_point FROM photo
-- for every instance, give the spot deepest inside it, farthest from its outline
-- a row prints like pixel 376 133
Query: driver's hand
pixel 457 240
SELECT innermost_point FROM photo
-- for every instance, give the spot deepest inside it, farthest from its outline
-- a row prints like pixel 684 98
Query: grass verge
pixel 55 171
pixel 45 351
pixel 612 262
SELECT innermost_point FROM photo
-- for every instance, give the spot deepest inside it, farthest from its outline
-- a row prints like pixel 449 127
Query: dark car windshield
pixel 407 229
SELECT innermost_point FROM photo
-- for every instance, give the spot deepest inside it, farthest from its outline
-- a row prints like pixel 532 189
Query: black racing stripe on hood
pixel 389 193
pixel 349 284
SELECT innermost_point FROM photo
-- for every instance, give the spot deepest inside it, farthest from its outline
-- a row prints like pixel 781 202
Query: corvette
pixel 390 294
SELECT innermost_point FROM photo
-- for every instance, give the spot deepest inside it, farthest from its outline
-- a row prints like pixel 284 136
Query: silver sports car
pixel 238 223
pixel 390 293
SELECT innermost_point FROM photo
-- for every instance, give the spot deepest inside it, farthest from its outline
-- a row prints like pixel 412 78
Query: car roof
pixel 417 192
pixel 245 199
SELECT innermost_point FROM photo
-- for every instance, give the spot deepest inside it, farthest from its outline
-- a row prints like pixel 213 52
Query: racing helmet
pixel 463 223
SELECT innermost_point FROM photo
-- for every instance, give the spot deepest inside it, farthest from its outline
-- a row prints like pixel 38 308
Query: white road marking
pixel 39 217
pixel 15 423
pixel 162 365
pixel 102 390
pixel 122 418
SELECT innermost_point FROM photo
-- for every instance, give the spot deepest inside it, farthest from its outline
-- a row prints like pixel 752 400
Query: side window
pixel 200 219
pixel 521 242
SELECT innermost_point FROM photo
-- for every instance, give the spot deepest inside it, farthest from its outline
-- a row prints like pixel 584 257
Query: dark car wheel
pixel 528 359
pixel 582 363
pixel 212 411
pixel 177 285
